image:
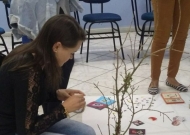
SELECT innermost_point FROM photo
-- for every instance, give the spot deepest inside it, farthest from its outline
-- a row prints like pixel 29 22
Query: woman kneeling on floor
pixel 30 76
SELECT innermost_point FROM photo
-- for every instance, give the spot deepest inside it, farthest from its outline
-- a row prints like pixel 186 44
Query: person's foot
pixel 172 82
pixel 154 83
pixel 153 88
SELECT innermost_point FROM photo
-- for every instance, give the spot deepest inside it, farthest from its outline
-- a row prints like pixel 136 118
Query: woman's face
pixel 63 54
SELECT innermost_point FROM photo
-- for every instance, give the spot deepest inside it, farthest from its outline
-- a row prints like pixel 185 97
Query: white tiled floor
pixel 100 67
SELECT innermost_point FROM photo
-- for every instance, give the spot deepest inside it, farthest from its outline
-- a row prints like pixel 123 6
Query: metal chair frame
pixel 112 31
pixel 4 45
pixel 141 31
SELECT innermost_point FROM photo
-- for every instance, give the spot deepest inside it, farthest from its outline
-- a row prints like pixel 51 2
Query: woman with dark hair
pixel 31 75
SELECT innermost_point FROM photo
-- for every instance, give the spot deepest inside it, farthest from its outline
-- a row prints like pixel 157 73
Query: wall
pixel 121 7
pixel 3 19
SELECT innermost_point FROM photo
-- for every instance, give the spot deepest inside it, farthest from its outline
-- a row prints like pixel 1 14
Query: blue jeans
pixel 69 127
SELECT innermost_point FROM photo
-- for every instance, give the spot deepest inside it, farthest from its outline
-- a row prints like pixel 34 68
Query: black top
pixel 21 94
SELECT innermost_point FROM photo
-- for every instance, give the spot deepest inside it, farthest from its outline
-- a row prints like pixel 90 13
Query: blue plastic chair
pixel 148 16
pixel 2 31
pixel 102 17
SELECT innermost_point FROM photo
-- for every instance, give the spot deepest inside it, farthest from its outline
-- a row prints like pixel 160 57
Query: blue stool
pixel 2 31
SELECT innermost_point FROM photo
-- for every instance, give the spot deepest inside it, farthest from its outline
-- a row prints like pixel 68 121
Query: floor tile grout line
pixel 75 85
pixel 144 78
pixel 88 83
pixel 185 58
pixel 94 66
pixel 94 58
pixel 95 77
pixel 110 71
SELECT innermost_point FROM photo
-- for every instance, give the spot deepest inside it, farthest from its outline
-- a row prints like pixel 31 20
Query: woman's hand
pixel 63 94
pixel 74 103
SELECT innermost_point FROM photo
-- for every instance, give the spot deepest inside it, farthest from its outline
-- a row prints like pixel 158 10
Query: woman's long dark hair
pixel 60 28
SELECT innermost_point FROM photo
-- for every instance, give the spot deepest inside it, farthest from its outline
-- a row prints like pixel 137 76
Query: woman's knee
pixel 89 131
pixel 72 127
pixel 83 129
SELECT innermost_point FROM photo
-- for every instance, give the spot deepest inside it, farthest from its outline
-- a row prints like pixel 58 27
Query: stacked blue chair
pixel 102 17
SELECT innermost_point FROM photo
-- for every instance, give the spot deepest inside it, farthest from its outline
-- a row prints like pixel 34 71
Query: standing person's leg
pixel 180 29
pixel 163 19
pixel 70 127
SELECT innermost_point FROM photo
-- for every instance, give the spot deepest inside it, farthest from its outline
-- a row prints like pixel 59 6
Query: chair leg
pixel 4 44
pixel 88 42
pixel 82 42
pixel 113 36
pixel 141 40
pixel 77 14
pixel 149 27
pixel 81 48
pixel 120 40
pixel 12 40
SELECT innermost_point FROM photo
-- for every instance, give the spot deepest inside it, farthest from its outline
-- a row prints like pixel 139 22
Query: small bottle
pixel 79 110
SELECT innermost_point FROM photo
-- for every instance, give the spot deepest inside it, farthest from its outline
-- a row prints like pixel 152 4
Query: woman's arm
pixel 26 94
